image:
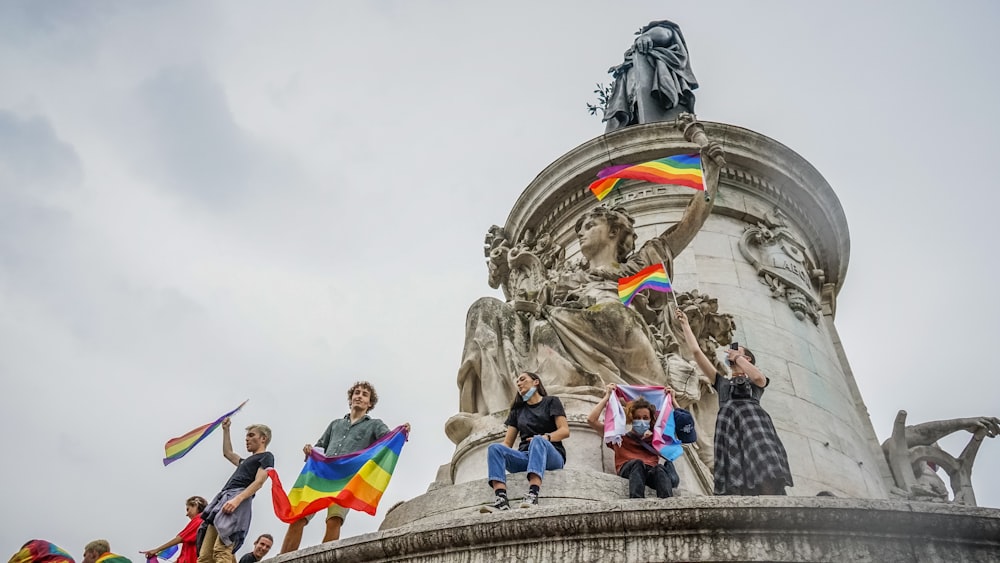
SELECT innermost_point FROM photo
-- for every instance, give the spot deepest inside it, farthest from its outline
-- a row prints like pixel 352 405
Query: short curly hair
pixel 371 390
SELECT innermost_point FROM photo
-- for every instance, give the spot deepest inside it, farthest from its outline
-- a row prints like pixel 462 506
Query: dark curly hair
pixel 637 404
pixel 371 390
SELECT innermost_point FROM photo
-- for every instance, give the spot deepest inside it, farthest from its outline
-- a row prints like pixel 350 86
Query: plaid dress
pixel 748 452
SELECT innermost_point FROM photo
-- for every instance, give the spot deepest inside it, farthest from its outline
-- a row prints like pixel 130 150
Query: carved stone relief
pixel 784 265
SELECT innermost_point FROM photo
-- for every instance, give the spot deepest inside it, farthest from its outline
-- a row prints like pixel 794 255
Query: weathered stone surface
pixel 812 395
pixel 689 529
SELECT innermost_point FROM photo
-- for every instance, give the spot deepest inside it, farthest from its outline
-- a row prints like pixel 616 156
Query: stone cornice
pixel 756 164
pixel 721 528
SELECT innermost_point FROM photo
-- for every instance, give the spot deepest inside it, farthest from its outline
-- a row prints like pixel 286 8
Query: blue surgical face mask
pixel 640 426
pixel 529 394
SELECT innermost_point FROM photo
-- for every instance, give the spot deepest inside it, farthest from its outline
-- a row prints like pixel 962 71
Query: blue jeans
pixel 541 455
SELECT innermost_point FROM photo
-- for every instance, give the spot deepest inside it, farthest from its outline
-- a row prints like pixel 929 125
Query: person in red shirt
pixel 187 536
pixel 634 461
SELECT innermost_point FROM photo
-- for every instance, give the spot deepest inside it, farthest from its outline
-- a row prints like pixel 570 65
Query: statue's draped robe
pixel 671 84
pixel 583 338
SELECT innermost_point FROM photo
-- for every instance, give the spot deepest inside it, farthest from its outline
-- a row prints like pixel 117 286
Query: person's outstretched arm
pixel 152 552
pixel 704 364
pixel 594 418
pixel 227 443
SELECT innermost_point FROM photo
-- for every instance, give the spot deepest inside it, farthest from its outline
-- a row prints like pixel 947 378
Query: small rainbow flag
pixel 168 552
pixel 178 447
pixel 652 277
pixel 678 170
pixel 355 480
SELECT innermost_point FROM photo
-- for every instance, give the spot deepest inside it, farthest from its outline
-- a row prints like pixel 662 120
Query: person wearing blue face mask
pixel 635 458
pixel 540 421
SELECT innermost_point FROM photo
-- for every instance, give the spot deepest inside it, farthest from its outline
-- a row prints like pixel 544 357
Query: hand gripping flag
pixel 664 435
pixel 165 554
pixel 677 170
pixel 178 447
pixel 355 480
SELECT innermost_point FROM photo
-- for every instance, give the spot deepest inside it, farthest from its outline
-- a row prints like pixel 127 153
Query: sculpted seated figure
pixel 565 321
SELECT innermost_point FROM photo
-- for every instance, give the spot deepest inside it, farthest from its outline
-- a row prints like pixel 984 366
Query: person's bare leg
pixel 333 528
pixel 293 537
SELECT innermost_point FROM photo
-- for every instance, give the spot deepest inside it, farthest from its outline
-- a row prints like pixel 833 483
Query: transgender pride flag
pixel 664 436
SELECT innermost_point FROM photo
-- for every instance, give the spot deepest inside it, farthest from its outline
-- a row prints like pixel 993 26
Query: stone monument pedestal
pixel 687 529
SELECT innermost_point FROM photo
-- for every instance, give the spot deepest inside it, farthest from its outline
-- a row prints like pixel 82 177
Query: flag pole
pixel 672 294
pixel 704 181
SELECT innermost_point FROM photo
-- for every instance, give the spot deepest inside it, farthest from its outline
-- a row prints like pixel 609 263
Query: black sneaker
pixel 499 503
pixel 529 500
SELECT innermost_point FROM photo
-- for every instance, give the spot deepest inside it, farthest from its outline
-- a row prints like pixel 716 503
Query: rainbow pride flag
pixel 168 552
pixel 178 447
pixel 112 558
pixel 677 170
pixel 355 480
pixel 41 551
pixel 664 434
pixel 651 277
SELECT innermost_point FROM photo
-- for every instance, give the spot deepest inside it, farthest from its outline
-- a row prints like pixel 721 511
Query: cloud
pixel 33 160
pixel 191 143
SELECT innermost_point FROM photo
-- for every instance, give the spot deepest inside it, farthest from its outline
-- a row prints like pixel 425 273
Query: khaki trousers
pixel 213 550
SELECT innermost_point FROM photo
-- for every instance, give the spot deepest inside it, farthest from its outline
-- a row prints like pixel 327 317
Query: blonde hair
pixel 263 430
pixel 100 546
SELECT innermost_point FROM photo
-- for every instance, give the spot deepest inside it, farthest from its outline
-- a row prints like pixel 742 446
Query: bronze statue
pixel 654 82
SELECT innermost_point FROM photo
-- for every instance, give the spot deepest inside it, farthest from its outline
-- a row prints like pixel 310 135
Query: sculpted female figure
pixel 566 324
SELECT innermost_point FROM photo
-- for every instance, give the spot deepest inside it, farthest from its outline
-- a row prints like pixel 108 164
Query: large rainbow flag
pixel 113 558
pixel 355 480
pixel 651 277
pixel 41 551
pixel 664 434
pixel 178 447
pixel 677 170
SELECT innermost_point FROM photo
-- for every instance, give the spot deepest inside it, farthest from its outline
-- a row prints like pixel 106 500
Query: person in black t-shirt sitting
pixel 260 549
pixel 540 420
pixel 226 520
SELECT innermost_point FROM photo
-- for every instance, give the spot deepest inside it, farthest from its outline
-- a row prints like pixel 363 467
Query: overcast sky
pixel 203 202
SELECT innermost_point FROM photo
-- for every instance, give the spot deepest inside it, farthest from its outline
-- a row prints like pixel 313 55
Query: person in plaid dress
pixel 749 456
